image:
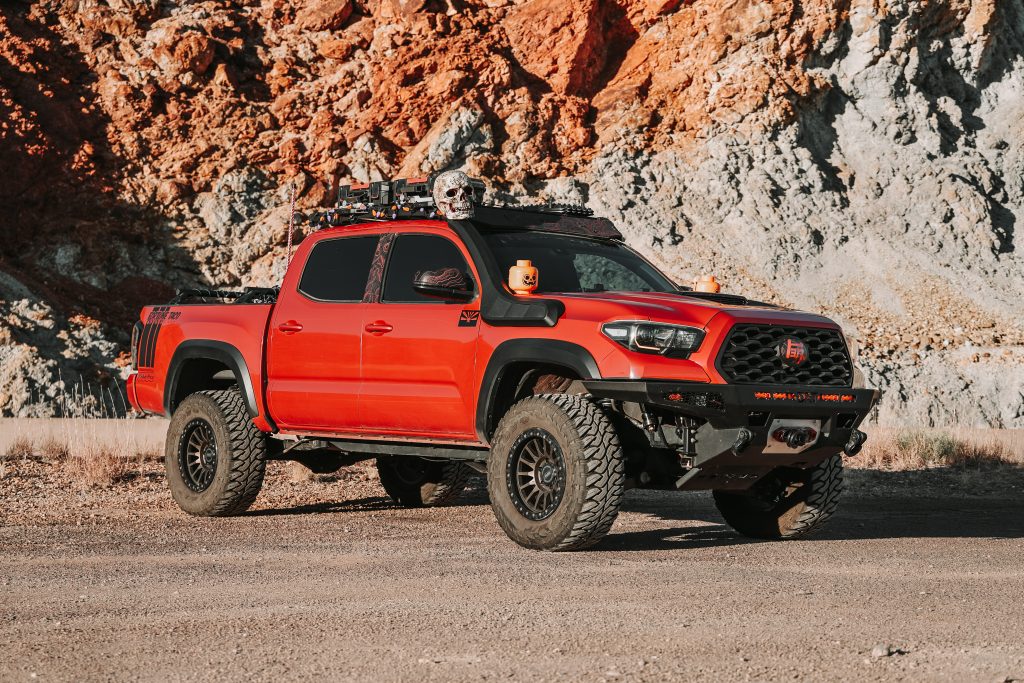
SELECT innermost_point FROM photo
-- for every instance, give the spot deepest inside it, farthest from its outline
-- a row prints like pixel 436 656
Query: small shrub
pixel 911 450
pixel 100 466
pixel 299 473
pixel 21 447
pixel 54 450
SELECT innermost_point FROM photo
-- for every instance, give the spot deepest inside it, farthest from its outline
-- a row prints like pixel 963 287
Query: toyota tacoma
pixel 396 336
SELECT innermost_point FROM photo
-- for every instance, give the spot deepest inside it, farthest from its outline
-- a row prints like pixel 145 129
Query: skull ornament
pixel 453 195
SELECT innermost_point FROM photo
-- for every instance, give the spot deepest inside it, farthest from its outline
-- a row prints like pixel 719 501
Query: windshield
pixel 575 264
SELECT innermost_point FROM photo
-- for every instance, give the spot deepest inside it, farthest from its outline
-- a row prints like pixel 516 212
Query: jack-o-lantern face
pixel 530 279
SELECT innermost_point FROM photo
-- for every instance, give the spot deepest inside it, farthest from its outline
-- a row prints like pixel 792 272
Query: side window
pixel 336 270
pixel 412 254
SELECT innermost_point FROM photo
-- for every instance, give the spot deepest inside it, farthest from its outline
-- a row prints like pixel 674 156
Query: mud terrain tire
pixel 414 482
pixel 786 504
pixel 556 473
pixel 215 456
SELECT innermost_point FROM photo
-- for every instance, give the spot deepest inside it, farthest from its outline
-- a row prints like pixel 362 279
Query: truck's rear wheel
pixel 556 473
pixel 215 456
pixel 415 482
pixel 788 503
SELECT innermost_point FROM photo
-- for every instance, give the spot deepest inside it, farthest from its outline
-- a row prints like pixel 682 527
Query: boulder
pixel 323 15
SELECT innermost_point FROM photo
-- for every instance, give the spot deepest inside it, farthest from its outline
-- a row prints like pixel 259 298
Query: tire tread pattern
pixel 454 479
pixel 825 486
pixel 248 455
pixel 813 503
pixel 605 467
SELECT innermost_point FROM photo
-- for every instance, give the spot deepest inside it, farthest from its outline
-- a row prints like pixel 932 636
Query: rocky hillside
pixel 862 158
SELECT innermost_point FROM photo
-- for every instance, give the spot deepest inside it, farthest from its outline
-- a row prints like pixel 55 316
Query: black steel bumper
pixel 732 405
pixel 733 414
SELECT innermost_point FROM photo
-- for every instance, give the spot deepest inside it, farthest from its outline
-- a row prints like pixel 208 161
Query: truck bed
pixel 234 333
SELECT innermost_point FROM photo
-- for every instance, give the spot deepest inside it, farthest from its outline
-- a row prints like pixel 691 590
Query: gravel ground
pixel 919 577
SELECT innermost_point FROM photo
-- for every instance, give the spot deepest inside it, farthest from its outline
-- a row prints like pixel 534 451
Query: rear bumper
pixel 131 390
pixel 745 414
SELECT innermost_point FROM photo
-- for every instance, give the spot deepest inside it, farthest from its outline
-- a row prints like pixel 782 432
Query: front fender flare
pixel 540 351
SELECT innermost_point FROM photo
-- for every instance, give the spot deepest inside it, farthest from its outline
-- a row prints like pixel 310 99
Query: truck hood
pixel 678 308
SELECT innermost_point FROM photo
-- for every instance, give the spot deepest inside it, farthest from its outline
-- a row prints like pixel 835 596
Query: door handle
pixel 379 327
pixel 290 327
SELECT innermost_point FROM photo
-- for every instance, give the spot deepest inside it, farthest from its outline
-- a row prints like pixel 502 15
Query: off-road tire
pixel 786 504
pixel 414 482
pixel 241 454
pixel 593 472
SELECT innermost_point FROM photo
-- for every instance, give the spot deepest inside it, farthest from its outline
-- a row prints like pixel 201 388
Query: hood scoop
pixel 727 299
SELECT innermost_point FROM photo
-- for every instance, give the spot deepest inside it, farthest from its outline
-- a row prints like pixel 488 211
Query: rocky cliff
pixel 862 158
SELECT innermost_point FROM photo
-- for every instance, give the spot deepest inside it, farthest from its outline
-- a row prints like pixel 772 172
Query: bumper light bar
pixel 804 396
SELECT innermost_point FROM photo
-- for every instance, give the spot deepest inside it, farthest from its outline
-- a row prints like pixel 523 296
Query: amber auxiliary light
pixel 707 283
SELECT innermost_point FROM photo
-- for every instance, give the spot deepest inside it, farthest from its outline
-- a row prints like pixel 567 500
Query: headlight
pixel 677 341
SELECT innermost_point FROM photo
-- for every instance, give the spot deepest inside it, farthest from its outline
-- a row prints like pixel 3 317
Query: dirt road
pixel 118 585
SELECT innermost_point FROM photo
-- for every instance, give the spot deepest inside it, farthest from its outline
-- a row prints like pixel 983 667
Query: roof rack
pixel 402 198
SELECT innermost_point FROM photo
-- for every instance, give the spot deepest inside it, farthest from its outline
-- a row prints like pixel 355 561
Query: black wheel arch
pixel 191 354
pixel 546 353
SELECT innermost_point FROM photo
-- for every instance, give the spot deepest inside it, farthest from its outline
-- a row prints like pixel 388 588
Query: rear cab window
pixel 337 269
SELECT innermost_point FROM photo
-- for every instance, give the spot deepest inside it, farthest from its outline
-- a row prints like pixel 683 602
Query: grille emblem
pixel 792 352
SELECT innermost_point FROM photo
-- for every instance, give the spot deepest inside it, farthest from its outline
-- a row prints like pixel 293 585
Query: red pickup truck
pixel 395 336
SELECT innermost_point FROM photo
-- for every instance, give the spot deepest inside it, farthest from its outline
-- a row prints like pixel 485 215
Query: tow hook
pixel 743 438
pixel 856 442
pixel 795 437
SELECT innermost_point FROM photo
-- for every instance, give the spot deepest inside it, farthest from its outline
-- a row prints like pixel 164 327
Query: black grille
pixel 750 356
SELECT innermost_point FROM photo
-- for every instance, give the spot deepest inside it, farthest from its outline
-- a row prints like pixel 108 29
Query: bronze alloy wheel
pixel 536 474
pixel 197 455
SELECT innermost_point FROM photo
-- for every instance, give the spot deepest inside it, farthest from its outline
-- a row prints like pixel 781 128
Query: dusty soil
pixel 325 578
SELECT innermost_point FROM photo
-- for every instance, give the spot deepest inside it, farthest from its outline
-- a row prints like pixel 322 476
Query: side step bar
pixel 375 448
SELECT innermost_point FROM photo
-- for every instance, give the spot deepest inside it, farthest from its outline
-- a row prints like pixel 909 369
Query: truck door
pixel 419 352
pixel 315 337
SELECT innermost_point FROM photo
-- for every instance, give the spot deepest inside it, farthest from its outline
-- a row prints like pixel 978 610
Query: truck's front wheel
pixel 215 457
pixel 787 503
pixel 415 482
pixel 556 473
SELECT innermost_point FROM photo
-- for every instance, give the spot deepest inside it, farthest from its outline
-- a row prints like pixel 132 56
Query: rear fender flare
pixel 210 349
pixel 540 351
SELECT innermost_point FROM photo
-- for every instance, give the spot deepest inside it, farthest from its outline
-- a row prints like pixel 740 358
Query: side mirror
pixel 450 284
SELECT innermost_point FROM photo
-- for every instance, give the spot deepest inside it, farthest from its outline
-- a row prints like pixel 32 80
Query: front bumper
pixel 731 413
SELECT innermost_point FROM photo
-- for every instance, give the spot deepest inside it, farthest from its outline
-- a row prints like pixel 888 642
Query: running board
pixel 374 448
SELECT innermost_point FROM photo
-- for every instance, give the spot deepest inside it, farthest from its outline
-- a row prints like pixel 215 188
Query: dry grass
pixel 917 449
pixel 92 452
pixel 299 473
pixel 21 447
pixel 100 467
pixel 53 449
